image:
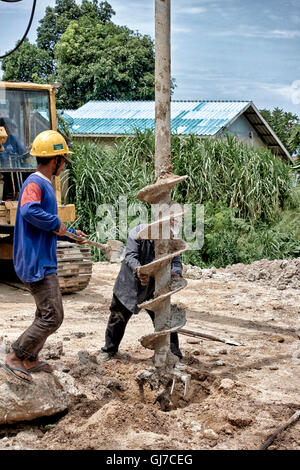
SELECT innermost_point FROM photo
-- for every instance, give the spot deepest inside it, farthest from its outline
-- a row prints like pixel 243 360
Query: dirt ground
pixel 238 396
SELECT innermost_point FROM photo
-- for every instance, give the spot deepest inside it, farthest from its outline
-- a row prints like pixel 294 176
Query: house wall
pixel 241 128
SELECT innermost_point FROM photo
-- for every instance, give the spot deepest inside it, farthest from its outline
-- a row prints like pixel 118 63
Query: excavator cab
pixel 26 109
pixel 24 113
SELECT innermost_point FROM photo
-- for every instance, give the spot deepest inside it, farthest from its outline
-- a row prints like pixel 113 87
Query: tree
pixel 79 47
pixel 28 64
pixel 99 61
pixel 283 124
pixel 52 26
pixel 103 12
pixel 55 22
pixel 57 19
pixel 294 139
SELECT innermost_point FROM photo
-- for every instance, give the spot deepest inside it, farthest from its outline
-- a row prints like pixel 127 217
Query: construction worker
pixel 13 144
pixel 36 231
pixel 130 290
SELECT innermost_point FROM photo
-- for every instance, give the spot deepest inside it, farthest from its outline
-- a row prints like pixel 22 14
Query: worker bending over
pixel 132 289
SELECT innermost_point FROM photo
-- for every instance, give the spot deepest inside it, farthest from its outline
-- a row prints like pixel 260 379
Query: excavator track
pixel 74 267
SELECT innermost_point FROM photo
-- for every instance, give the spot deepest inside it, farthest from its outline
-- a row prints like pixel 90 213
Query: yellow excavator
pixel 26 109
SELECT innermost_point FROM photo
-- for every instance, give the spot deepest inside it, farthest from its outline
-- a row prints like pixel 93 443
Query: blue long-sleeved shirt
pixel 34 249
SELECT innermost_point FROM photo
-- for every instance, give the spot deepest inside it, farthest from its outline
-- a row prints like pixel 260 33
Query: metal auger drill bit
pixel 166 247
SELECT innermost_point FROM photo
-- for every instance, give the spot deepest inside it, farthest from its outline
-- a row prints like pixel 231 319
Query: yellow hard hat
pixel 50 144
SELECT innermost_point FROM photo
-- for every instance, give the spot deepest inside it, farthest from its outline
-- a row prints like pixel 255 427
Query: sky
pixel 221 49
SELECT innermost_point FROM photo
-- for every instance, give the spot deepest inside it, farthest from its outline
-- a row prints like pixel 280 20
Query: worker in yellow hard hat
pixel 36 229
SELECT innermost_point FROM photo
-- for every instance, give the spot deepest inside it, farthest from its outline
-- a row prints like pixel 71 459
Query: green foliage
pixel 55 22
pixel 57 19
pixel 251 207
pixel 27 64
pixel 91 57
pixel 294 138
pixel 283 124
pixel 99 61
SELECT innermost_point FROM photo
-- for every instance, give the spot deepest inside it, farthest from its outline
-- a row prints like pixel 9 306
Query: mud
pixel 238 396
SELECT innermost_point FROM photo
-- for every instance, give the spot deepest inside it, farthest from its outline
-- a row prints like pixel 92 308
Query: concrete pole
pixel 163 165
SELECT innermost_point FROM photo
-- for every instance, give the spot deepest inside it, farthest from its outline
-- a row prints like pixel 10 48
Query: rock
pixel 284 264
pixel 193 341
pixel 251 277
pixel 80 371
pixel 48 395
pixel 207 274
pixel 80 335
pixel 196 428
pixel 4 346
pixel 277 339
pixel 235 302
pixel 281 287
pixel 85 358
pixel 210 434
pixel 227 429
pixel 227 384
pixel 223 351
pixel 219 363
pixel 113 384
pixel 264 274
pixel 239 420
pixel 290 271
pixel 196 352
pixel 27 439
pixel 53 351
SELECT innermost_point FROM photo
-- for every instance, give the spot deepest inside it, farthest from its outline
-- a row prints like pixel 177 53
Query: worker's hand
pixel 174 275
pixel 62 230
pixel 81 234
pixel 144 278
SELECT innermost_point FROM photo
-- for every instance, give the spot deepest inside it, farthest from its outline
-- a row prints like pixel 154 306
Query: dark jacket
pixel 128 288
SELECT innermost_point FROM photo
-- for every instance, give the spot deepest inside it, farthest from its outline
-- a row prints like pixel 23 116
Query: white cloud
pixel 247 31
pixel 291 92
pixel 192 10
pixel 180 29
pixel 285 34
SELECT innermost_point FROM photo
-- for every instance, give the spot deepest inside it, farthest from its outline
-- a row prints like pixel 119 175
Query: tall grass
pixel 255 182
pixel 246 192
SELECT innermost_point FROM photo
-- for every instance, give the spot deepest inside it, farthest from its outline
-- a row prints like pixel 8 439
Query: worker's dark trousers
pixel 117 322
pixel 48 317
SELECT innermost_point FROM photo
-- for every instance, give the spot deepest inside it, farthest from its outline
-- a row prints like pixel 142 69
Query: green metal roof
pixel 202 118
pixel 124 117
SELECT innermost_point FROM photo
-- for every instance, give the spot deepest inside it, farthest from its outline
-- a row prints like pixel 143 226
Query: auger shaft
pixel 163 165
pixel 159 193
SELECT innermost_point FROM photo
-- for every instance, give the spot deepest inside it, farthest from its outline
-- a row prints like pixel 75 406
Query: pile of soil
pixel 281 274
